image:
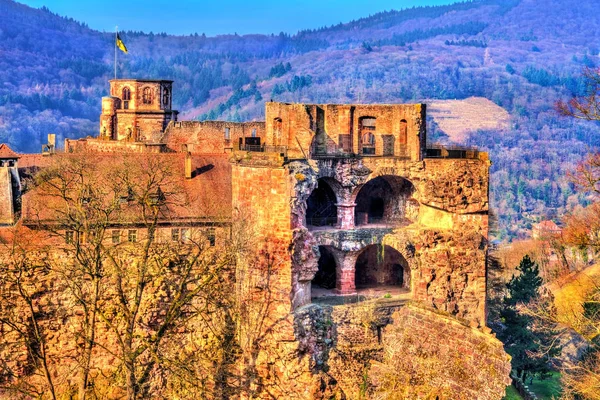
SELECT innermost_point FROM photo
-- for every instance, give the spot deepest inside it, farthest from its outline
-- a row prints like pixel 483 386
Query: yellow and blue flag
pixel 121 45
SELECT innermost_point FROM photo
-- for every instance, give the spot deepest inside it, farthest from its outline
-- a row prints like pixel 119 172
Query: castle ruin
pixel 353 202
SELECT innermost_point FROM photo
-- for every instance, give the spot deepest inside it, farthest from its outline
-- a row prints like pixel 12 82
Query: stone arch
pixel 326 275
pixel 385 199
pixel 380 265
pixel 321 205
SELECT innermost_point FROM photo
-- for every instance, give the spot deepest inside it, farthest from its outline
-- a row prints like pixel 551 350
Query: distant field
pixel 570 292
pixel 457 118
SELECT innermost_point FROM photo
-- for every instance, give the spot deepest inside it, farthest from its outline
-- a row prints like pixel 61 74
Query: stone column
pixel 345 209
pixel 345 215
pixel 345 272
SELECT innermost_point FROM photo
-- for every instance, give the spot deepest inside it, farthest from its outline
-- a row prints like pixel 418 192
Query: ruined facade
pixel 355 213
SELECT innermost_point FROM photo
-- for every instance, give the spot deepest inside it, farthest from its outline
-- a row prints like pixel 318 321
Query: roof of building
pixel 547 225
pixel 7 152
pixel 206 197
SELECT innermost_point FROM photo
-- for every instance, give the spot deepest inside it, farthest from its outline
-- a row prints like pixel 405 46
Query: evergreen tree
pixel 527 343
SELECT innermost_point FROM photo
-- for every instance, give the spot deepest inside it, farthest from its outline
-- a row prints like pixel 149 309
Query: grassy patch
pixel 549 388
pixel 512 394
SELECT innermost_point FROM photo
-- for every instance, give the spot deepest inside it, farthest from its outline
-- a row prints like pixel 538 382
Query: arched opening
pixel 403 139
pixel 147 96
pixel 403 136
pixel 325 278
pixel 126 97
pixel 320 206
pixel 385 200
pixel 380 266
pixel 366 126
pixel 166 97
pixel 277 128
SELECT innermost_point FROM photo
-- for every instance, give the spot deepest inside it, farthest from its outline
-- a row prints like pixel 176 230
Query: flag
pixel 121 45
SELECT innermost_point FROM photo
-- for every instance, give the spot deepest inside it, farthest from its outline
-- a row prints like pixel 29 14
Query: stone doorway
pixel 325 278
pixel 321 209
pixel 380 266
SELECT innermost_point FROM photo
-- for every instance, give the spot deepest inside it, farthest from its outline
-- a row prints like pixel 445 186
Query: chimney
pixel 188 165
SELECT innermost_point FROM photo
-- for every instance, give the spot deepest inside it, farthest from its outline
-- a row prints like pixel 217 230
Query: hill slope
pixel 520 54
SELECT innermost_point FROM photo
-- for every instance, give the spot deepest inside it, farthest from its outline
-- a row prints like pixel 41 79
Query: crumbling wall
pixel 334 128
pixel 209 137
pixel 358 350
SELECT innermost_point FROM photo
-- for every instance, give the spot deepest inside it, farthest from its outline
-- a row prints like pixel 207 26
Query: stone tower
pixel 10 186
pixel 137 110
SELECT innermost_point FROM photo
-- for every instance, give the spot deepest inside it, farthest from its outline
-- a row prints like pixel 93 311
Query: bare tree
pixel 23 323
pixel 585 107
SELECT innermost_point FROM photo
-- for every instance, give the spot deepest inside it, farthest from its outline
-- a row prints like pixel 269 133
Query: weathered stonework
pixel 339 200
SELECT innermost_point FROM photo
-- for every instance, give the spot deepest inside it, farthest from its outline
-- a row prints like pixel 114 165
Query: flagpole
pixel 116 35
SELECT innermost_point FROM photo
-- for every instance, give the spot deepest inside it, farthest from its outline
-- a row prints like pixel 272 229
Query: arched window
pixel 126 96
pixel 166 96
pixel 277 127
pixel 147 96
pixel 403 131
pixel 367 134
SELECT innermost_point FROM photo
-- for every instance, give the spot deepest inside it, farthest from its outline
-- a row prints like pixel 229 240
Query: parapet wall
pixel 211 136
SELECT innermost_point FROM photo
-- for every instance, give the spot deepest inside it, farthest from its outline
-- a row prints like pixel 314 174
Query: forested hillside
pixel 521 54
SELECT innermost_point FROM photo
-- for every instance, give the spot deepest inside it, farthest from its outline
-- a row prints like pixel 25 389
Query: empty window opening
pixel 386 200
pixel 277 128
pixel 403 136
pixel 254 133
pixel 325 278
pixel 212 239
pixel 321 209
pixel 227 133
pixel 381 266
pixel 70 237
pixel 367 134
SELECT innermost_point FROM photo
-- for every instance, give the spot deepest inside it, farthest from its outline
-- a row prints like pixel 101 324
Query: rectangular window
pixel 70 237
pixel 227 134
pixel 211 237
pixel 184 235
pixel 253 132
pixel 132 235
pixel 175 235
pixel 116 236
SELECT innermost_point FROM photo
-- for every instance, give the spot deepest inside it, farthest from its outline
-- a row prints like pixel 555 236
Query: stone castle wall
pixel 209 136
pixel 331 128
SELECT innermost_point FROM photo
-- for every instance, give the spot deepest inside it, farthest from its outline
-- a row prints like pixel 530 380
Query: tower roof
pixel 7 152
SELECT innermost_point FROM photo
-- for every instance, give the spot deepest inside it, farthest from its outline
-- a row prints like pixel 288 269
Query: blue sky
pixel 220 16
